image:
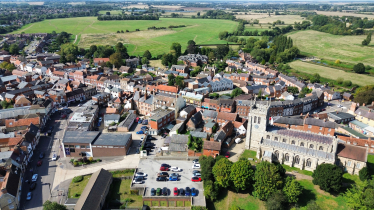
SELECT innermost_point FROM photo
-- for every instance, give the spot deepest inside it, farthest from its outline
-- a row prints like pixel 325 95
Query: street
pixel 49 145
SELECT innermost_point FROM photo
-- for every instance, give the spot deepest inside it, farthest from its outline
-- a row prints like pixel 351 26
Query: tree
pixel 267 180
pixel 145 60
pixel 191 49
pixel 211 190
pixel 8 66
pixel 179 82
pixel 367 40
pixel 206 164
pixel 116 59
pixel 339 80
pixel 211 56
pixel 364 174
pixel 48 205
pixel 198 14
pixel 191 42
pixel 171 79
pixel 70 57
pixel 221 172
pixel 4 104
pixel 315 78
pixel 241 175
pixel 359 68
pixel 222 51
pixel 167 59
pixel 120 48
pixel 329 177
pixel 360 195
pixel 347 83
pixel 176 49
pixel 13 49
pixel 107 13
pixel 293 90
pixel 312 205
pixel 292 189
pixel 276 201
pixel 147 55
pixel 236 92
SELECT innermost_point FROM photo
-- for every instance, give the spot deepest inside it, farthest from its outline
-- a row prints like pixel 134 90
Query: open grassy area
pixel 290 169
pixel 243 200
pixel 331 73
pixel 156 41
pixel 340 14
pixel 250 154
pixel 120 190
pixel 76 189
pixel 112 12
pixel 324 45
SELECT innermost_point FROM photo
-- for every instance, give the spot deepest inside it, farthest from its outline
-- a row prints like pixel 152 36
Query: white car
pixel 34 177
pixel 141 174
pixel 196 174
pixel 138 180
pixel 196 165
pixel 100 119
pixel 175 169
pixel 141 138
pixel 54 157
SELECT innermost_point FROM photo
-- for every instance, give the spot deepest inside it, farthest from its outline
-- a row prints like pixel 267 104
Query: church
pixel 297 142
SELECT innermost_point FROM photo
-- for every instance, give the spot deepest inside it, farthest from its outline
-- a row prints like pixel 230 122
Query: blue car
pixel 187 191
pixel 140 132
pixel 144 127
pixel 140 121
pixel 173 178
pixel 193 192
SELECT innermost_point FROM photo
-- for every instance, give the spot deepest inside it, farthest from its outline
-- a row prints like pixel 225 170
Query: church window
pixel 284 140
pixel 308 163
pixel 320 148
pixel 311 146
pixel 358 165
pixel 297 160
pixel 255 120
pixel 259 120
pixel 301 144
pixel 276 139
pixel 276 155
pixel 287 157
pixel 267 137
pixel 293 142
pixel 349 163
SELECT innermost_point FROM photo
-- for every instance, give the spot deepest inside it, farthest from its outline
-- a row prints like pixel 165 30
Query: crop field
pixel 264 18
pixel 340 14
pixel 332 47
pixel 331 73
pixel 92 31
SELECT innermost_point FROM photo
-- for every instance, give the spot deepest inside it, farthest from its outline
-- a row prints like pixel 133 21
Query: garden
pixel 84 161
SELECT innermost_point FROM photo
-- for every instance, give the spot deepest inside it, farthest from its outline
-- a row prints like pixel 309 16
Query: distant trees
pixel 171 79
pixel 316 78
pixel 8 66
pixel 179 82
pixel 116 59
pixel 13 49
pixel 236 92
pixel 329 177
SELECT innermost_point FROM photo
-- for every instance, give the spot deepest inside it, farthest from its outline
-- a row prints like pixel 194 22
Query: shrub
pixel 339 80
pixel 80 160
pixel 347 83
pixel 90 159
pixel 85 160
pixel 359 68
pixel 128 200
pixel 134 192
pixel 329 177
pixel 75 163
pixel 337 61
pixel 276 201
pixel 77 179
pixel 71 160
pixel 123 206
pixel 364 174
pixel 77 195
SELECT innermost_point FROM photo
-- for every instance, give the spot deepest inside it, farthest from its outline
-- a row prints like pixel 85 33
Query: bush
pixel 90 159
pixel 134 192
pixel 364 174
pixel 337 61
pixel 128 200
pixel 85 160
pixel 339 80
pixel 359 68
pixel 75 163
pixel 77 179
pixel 347 83
pixel 276 201
pixel 329 177
pixel 71 160
pixel 80 160
pixel 77 195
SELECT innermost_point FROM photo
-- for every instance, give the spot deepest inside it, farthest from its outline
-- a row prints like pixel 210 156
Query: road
pixel 49 145
pixel 31 47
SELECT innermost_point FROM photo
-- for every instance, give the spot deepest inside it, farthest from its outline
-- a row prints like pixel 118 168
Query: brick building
pixel 161 117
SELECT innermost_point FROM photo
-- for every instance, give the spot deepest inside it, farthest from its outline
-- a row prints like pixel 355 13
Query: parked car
pixel 144 127
pixel 163 174
pixel 140 121
pixel 323 109
pixel 142 138
pixel 174 174
pixel 100 119
pixel 195 161
pixel 164 135
pixel 197 174
pixel 164 168
pixel 188 191
pixel 41 156
pixel 176 192
pixel 227 154
pixel 29 196
pixel 181 191
pixel 195 171
pixel 151 138
pixel 166 165
pixel 153 192
pixel 175 169
pixel 193 192
pixel 196 179
pixel 158 191
pixel 34 177
pixel 54 157
pixel 141 174
pixel 33 186
pixel 138 180
pixel 173 178
pixel 165 191
pixel 40 162
pixel 145 122
pixel 197 165
pixel 161 179
pixel 140 132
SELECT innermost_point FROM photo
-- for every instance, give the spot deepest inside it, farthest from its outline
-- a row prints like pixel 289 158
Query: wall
pixel 77 151
pixel 167 199
pixel 193 153
pixel 208 152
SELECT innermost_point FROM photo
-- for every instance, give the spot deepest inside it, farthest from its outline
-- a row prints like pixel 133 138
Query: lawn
pixel 76 189
pixel 331 73
pixel 290 169
pixel 120 190
pixel 371 164
pixel 250 154
pixel 124 173
pixel 333 47
pixel 227 198
pixel 323 199
pixel 92 31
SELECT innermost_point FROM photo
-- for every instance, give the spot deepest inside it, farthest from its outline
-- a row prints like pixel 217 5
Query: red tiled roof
pixel 212 145
pixel 10 123
pixel 111 111
pixel 352 152
pixel 100 60
pixel 357 141
pixel 14 141
pixel 227 116
pixel 166 88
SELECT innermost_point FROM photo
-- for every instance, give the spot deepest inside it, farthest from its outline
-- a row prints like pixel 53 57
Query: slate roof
pixel 212 145
pixel 198 134
pixel 340 115
pixel 220 135
pixel 306 136
pixel 197 118
pixel 113 139
pixel 352 152
pixel 210 114
pixel 80 136
pixel 178 143
pixel 298 149
pixel 321 123
pixel 364 112
pixel 189 108
pixel 112 117
pixel 91 196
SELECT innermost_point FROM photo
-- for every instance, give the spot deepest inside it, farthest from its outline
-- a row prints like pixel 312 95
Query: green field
pixel 331 73
pixel 92 31
pixel 112 12
pixel 328 46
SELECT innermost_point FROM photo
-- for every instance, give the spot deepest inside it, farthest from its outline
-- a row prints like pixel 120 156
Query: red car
pixel 39 163
pixel 176 191
pixel 227 154
pixel 164 168
pixel 196 179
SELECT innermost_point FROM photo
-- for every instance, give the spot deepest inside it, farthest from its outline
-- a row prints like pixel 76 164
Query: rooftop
pixel 113 139
pixel 352 152
pixel 160 113
pixel 306 136
pixel 80 136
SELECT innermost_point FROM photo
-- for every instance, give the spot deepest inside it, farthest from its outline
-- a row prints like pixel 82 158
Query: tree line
pixel 128 17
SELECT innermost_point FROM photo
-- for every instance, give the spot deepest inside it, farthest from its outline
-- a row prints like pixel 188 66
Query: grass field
pixel 324 45
pixel 340 14
pixel 330 73
pixel 97 32
pixel 76 189
pixel 264 18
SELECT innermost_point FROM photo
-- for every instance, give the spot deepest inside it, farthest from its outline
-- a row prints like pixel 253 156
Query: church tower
pixel 258 119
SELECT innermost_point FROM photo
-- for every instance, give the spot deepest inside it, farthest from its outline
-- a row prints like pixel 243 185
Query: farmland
pixel 264 18
pixel 92 31
pixel 332 47
pixel 331 73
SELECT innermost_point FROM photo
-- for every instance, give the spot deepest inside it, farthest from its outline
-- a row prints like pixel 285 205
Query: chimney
pixel 145 95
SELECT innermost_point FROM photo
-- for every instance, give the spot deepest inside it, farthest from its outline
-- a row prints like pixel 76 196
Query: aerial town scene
pixel 186 105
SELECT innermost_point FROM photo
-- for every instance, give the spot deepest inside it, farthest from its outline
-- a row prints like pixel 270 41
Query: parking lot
pixel 152 167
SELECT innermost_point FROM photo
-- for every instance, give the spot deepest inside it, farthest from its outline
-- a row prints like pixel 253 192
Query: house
pixel 199 134
pixel 178 144
pixel 340 117
pixel 347 96
pixel 212 148
pixel 362 127
pixel 100 61
pixel 11 183
pixel 188 111
pixel 110 119
pixel 132 62
pixel 210 115
pixel 161 117
pixel 94 194
pixel 84 118
pixel 351 158
pixel 101 98
pixel 364 114
pixel 195 121
pixel 180 68
pixel 331 95
pixel 226 105
pixel 112 144
pixel 243 107
pixel 78 143
pixel 210 127
pixel 22 101
pixel 223 118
